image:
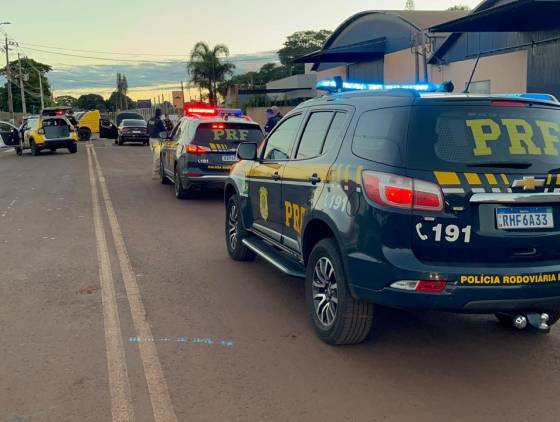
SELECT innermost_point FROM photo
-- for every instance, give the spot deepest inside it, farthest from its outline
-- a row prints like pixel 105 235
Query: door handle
pixel 275 176
pixel 315 179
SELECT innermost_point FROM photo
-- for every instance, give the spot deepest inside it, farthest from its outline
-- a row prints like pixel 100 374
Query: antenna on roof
pixel 466 91
pixel 409 5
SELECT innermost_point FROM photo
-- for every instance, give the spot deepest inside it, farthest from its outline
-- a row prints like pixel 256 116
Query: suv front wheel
pixel 336 316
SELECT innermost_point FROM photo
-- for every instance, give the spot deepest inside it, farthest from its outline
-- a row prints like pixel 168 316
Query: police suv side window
pixel 176 132
pixel 314 135
pixel 281 142
pixel 381 134
pixel 335 131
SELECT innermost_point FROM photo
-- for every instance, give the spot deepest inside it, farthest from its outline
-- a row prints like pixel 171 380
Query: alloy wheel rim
pixel 232 227
pixel 325 292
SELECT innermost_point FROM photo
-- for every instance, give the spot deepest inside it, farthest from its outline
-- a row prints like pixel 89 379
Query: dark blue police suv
pixel 436 201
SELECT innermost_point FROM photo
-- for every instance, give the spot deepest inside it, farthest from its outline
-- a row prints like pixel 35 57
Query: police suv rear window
pixel 381 135
pixel 227 133
pixel 513 135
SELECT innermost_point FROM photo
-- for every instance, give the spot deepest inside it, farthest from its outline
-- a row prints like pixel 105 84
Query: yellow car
pixel 50 133
pixel 89 124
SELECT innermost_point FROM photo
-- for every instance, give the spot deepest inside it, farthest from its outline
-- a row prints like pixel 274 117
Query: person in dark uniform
pixel 156 127
pixel 274 116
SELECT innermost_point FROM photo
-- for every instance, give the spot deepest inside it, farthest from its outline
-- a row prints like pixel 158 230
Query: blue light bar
pixel 536 96
pixel 331 86
pixel 231 111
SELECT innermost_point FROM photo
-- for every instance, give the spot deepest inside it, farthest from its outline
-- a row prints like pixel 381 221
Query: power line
pixel 231 59
pixel 122 53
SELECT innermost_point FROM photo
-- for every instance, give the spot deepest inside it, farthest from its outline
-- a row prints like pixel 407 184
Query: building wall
pixel 341 71
pixel 506 72
pixel 400 67
pixel 544 68
pixel 178 99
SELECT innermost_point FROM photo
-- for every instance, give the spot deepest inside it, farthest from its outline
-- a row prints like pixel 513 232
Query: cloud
pixel 141 76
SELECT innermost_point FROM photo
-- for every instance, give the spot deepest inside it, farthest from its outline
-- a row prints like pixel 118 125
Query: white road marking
pixel 119 384
pixel 157 385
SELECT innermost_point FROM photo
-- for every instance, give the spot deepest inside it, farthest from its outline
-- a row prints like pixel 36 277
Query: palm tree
pixel 208 69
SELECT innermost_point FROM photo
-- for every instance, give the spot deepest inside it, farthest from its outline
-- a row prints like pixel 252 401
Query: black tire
pixel 84 134
pixel 180 191
pixel 162 177
pixel 507 320
pixel 119 141
pixel 73 148
pixel 34 149
pixel 351 320
pixel 235 233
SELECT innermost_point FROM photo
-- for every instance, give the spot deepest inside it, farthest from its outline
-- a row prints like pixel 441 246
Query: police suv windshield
pixel 504 135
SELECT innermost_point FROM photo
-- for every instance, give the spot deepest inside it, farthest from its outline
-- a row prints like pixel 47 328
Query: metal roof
pixel 348 53
pixel 511 16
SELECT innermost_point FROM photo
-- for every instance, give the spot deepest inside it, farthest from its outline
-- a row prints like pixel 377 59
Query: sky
pixel 150 40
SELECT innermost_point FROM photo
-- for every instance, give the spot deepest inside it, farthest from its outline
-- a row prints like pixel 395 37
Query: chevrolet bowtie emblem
pixel 529 183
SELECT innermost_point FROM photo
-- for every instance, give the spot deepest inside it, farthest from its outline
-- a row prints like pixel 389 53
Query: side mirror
pixel 164 135
pixel 247 151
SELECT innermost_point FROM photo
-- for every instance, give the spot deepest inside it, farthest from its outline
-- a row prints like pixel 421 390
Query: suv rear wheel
pixel 34 149
pixel 336 316
pixel 180 191
pixel 235 233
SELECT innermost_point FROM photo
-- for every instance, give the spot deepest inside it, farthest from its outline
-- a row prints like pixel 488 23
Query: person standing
pixel 156 127
pixel 168 123
pixel 274 116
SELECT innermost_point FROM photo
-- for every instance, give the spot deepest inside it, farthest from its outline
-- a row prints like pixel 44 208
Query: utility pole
pixel 21 87
pixel 182 94
pixel 9 77
pixel 41 90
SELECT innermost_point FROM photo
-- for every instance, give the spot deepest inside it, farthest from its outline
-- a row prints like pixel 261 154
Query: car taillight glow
pixel 431 286
pixel 508 104
pixel 218 126
pixel 402 192
pixel 197 149
pixel 422 286
pixel 203 111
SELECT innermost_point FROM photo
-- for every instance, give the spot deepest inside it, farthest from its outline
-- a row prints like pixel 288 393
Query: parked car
pixel 50 133
pixel 431 201
pixel 200 151
pixel 133 130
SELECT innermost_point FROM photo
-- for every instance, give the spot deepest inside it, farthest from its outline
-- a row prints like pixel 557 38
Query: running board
pixel 275 257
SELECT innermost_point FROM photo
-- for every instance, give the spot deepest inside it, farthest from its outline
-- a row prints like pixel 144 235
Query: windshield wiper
pixel 503 164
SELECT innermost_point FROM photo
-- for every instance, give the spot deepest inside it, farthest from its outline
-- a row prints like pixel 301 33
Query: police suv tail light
pixel 396 191
pixel 422 286
pixel 197 149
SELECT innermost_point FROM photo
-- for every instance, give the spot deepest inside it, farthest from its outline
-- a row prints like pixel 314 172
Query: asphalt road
pixel 119 302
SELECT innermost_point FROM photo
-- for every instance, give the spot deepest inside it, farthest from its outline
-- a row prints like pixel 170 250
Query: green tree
pixel 91 102
pixel 299 44
pixel 459 7
pixel 116 99
pixel 66 101
pixel 31 71
pixel 208 68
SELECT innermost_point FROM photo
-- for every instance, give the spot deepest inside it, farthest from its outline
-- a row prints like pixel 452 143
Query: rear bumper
pixel 135 138
pixel 470 289
pixel 204 180
pixel 56 143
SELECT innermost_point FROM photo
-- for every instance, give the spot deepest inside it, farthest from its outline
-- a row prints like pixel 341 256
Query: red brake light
pixel 197 149
pixel 218 126
pixel 431 286
pixel 508 104
pixel 59 112
pixel 402 192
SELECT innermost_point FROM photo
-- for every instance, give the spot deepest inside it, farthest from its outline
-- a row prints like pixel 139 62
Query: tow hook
pixel 537 321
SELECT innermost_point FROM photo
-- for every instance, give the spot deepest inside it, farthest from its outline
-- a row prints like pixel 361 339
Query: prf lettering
pixel 521 136
pixel 231 135
pixel 294 216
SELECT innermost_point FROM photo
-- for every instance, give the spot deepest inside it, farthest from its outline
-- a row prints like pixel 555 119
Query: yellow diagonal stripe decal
pixel 505 179
pixel 447 178
pixel 473 179
pixel 491 179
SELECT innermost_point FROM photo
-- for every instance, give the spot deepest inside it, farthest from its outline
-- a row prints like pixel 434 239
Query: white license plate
pixel 229 158
pixel 524 218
